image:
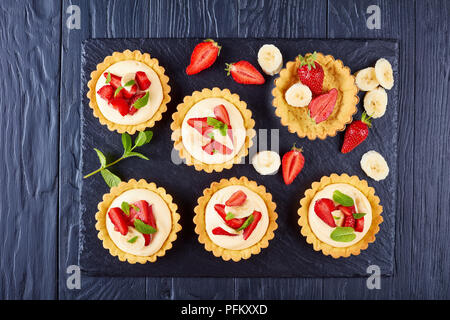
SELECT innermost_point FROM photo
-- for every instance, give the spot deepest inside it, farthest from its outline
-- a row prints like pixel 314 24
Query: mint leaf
pixel 141 139
pixel 143 227
pixel 229 216
pixel 358 215
pixel 101 157
pixel 108 78
pixel 211 135
pixel 337 218
pixel 126 142
pixel 129 83
pixel 223 130
pixel 149 135
pixel 137 154
pixel 217 124
pixel 133 240
pixel 342 199
pixel 246 223
pixel 141 102
pixel 343 234
pixel 117 91
pixel 110 178
pixel 125 207
pixel 135 208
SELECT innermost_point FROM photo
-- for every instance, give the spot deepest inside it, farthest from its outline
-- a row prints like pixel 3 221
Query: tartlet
pixel 166 221
pixel 250 239
pixel 315 230
pixel 125 64
pixel 336 75
pixel 194 140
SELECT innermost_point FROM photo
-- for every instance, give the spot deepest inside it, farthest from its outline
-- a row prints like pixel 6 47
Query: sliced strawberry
pixel 244 72
pixel 234 223
pixel 203 56
pixel 321 107
pixel 118 219
pixel 292 163
pixel 236 199
pixel 248 231
pixel 213 146
pixel 130 92
pixel 142 80
pixel 201 125
pixel 145 212
pixel 349 221
pixel 221 114
pixel 133 110
pixel 121 105
pixel 359 225
pixel 116 81
pixel 106 92
pixel 347 211
pixel 221 232
pixel 148 238
pixel 323 208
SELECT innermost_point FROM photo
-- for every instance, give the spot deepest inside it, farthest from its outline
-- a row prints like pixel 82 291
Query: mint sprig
pixel 342 199
pixel 125 207
pixel 343 234
pixel 229 216
pixel 217 124
pixel 111 179
pixel 142 227
pixel 133 240
pixel 246 223
pixel 108 78
pixel 358 215
pixel 141 102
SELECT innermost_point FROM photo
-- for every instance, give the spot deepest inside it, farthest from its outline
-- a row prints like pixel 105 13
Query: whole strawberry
pixel 356 133
pixel 311 73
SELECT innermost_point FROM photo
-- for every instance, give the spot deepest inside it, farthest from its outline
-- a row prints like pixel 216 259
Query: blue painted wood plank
pixel 29 156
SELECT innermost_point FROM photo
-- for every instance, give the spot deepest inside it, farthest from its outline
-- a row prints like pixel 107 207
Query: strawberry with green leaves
pixel 244 72
pixel 356 133
pixel 292 163
pixel 203 56
pixel 310 73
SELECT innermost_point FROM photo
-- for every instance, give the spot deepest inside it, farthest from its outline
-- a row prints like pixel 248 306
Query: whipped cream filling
pixel 126 69
pixel 193 141
pixel 322 230
pixel 163 218
pixel 214 220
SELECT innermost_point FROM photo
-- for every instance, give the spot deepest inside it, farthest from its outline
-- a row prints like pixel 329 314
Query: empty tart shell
pixel 123 56
pixel 369 237
pixel 297 120
pixel 102 212
pixel 200 227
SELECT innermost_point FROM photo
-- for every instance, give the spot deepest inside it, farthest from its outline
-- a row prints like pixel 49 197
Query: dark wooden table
pixel 40 117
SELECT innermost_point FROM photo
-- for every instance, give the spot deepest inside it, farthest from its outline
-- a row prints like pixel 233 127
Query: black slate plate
pixel 288 255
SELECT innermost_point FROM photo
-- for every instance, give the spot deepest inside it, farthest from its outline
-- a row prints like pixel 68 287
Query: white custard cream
pixel 214 220
pixel 126 69
pixel 322 230
pixel 163 218
pixel 193 141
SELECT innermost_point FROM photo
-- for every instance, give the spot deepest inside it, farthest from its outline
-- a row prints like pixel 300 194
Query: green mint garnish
pixel 358 215
pixel 343 234
pixel 246 223
pixel 142 227
pixel 337 218
pixel 141 102
pixel 129 83
pixel 125 207
pixel 211 135
pixel 229 216
pixel 135 208
pixel 117 91
pixel 110 178
pixel 342 199
pixel 217 124
pixel 133 240
pixel 108 78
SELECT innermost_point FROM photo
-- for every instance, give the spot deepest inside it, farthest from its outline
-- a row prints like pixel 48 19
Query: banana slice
pixel 384 74
pixel 374 165
pixel 270 59
pixel 266 162
pixel 298 95
pixel 375 102
pixel 366 79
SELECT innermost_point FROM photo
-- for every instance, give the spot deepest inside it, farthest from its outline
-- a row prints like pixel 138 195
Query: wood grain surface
pixel 40 156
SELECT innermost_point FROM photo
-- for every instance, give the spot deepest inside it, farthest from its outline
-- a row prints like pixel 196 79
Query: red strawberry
pixel 201 125
pixel 116 81
pixel 133 110
pixel 234 223
pixel 118 219
pixel 347 211
pixel 146 215
pixel 292 164
pixel 359 226
pixel 142 80
pixel 244 72
pixel 323 208
pixel 311 73
pixel 237 199
pixel 203 56
pixel 106 92
pixel 321 107
pixel 129 93
pixel 356 133
pixel 221 232
pixel 213 146
pixel 349 221
pixel 248 231
pixel 221 114
pixel 121 105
